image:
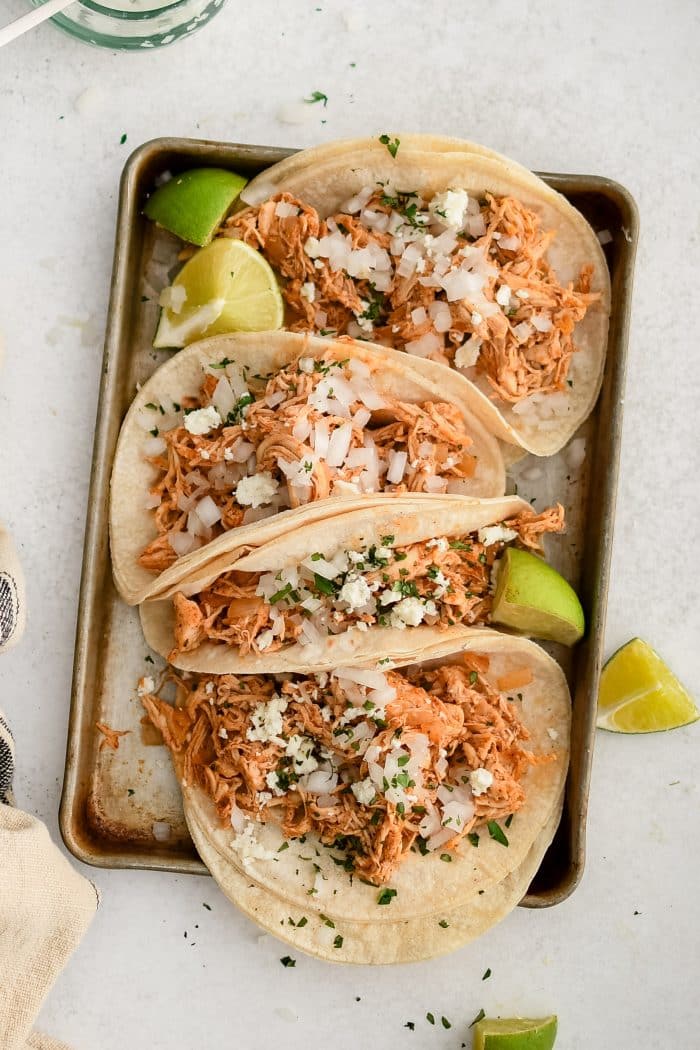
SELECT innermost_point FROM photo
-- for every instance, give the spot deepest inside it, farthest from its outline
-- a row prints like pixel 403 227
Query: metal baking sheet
pixel 112 799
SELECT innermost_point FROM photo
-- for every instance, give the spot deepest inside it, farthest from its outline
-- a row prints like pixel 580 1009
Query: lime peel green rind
pixel 518 1033
pixel 533 598
pixel 193 204
pixel 640 694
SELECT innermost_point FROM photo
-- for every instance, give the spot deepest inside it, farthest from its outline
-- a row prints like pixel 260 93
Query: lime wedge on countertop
pixel 518 1033
pixel 640 694
pixel 534 598
pixel 225 287
pixel 192 205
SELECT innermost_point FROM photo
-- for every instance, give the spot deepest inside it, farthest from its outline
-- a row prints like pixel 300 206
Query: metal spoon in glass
pixel 33 18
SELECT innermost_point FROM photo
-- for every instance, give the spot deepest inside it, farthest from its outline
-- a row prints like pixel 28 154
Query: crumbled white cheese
pixel 355 591
pixel 228 455
pixel 480 780
pixel 409 612
pixel 364 791
pixel 204 454
pixel 356 557
pixel 476 318
pixel 300 750
pixel 441 543
pixel 449 207
pixel 223 733
pixel 248 847
pixel 553 734
pixel 273 783
pixel 496 534
pixel 256 490
pixel 263 797
pixel 385 553
pixel 266 721
pixel 441 584
pixel 306 364
pixel 146 685
pixel 202 420
pixel 209 688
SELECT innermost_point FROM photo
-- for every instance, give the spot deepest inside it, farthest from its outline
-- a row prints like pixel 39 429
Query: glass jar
pixel 134 24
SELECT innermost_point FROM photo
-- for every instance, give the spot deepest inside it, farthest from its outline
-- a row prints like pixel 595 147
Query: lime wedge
pixel 517 1033
pixel 193 204
pixel 225 287
pixel 533 598
pixel 640 694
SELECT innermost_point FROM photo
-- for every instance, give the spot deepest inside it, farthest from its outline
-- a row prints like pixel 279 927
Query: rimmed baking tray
pixel 117 805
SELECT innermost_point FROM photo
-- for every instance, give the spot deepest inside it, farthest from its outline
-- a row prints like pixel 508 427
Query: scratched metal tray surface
pixel 112 799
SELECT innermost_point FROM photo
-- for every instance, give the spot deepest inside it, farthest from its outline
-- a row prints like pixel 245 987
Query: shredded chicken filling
pixel 315 429
pixel 374 763
pixel 467 284
pixel 438 582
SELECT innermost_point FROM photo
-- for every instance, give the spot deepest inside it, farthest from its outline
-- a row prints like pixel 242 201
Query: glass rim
pixel 103 8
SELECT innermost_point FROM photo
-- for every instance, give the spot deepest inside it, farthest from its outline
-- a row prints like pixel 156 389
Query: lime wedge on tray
pixel 518 1033
pixel 225 287
pixel 533 598
pixel 640 694
pixel 193 204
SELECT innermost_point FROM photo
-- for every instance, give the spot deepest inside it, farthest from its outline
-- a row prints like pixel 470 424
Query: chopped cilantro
pixel 287 960
pixel 222 363
pixel 496 832
pixel 323 585
pixel 122 140
pixel 445 1023
pixel 285 845
pixel 487 974
pixel 237 412
pixel 447 857
pixel 317 96
pixel 286 592
pixel 403 760
pixel 443 923
pixel 391 144
pixel 207 906
pixel 473 676
pixel 459 545
pixel 338 941
pixel 386 896
pixel 130 792
pixel 387 540
pixel 509 820
pixel 327 921
pixel 473 838
pixel 479 1017
pixel 430 1018
pixel 410 1025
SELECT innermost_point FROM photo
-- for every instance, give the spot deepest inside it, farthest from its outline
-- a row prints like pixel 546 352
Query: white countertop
pixel 602 87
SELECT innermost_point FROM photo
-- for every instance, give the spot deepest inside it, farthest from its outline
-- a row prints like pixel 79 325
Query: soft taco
pixel 376 794
pixel 238 429
pixel 352 589
pixel 311 930
pixel 452 253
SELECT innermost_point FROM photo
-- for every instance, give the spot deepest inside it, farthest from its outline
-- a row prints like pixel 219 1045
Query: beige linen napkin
pixel 45 906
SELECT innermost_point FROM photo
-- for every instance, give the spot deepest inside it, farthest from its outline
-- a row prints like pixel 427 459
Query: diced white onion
pixel 397 467
pixel 208 512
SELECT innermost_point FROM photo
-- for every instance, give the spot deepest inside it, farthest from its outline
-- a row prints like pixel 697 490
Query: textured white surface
pixel 610 88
